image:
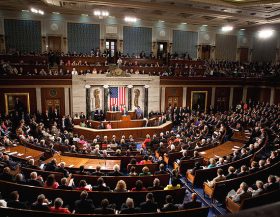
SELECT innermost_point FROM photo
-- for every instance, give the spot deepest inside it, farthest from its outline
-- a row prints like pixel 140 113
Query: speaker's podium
pixel 117 115
pixel 125 118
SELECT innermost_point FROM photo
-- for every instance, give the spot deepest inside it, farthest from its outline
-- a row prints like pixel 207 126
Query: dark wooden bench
pixel 263 199
pixel 110 181
pixel 30 193
pixel 185 165
pixel 11 212
pixel 203 175
pixel 220 189
pixel 138 167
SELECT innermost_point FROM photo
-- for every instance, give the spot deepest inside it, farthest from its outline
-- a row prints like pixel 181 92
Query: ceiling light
pixel 55 12
pixel 242 29
pixel 184 23
pixel 227 28
pixel 100 13
pixel 204 25
pixel 130 19
pixel 84 15
pixel 37 11
pixel 162 21
pixel 265 33
pixel 25 10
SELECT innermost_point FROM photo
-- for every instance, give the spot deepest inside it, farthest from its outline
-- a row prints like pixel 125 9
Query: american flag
pixel 117 96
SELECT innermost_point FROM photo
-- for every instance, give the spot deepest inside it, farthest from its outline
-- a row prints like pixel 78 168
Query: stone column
pixel 87 101
pixel 272 96
pixel 39 100
pixel 106 95
pixel 146 101
pixel 185 89
pixel 67 101
pixel 213 97
pixel 162 98
pixel 231 97
pixel 129 96
pixel 244 94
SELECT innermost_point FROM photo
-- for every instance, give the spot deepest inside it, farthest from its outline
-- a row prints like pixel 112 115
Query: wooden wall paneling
pixel 174 94
pixel 209 95
pixel 253 94
pixel 277 96
pixel 222 98
pixel 53 95
pixel 32 97
pixel 237 96
pixel 265 95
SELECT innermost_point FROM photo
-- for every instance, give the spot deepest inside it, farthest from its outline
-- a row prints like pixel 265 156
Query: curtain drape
pixel 23 35
pixel 136 40
pixel 185 42
pixel 82 38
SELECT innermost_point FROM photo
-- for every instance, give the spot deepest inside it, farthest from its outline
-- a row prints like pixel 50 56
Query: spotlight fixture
pixel 205 25
pixel 227 28
pixel 100 13
pixel 37 11
pixel 130 19
pixel 184 23
pixel 265 33
pixel 55 12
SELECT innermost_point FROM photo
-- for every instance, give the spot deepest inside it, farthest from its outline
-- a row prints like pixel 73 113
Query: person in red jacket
pixel 57 208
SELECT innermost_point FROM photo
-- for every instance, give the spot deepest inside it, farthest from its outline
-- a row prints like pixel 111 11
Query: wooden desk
pixel 88 163
pixel 117 115
pixel 113 116
pixel 24 153
pixel 137 132
pixel 221 150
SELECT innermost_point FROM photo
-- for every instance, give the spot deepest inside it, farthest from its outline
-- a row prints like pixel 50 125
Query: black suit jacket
pixel 104 211
pixel 148 206
pixel 190 205
pixel 169 207
pixel 84 206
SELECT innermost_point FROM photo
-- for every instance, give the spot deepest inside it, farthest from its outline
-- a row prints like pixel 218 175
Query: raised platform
pixel 137 132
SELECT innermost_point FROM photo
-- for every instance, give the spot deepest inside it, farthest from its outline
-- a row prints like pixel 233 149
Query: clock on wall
pixel 53 92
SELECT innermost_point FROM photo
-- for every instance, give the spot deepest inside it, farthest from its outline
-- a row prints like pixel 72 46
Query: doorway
pixel 205 52
pixel 173 101
pixel 162 50
pixel 111 50
pixel 244 53
pixel 52 104
pixel 54 43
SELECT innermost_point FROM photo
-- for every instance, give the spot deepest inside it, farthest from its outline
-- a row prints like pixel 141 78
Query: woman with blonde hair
pixel 121 186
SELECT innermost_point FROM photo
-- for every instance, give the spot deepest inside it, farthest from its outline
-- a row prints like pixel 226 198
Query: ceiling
pixel 239 13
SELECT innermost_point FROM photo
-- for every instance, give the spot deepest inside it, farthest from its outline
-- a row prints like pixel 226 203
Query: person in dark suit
pixel 40 204
pixel 101 186
pixel 129 208
pixel 6 174
pixel 231 173
pixel 82 116
pixel 192 204
pixel 34 180
pixel 84 205
pixel 156 185
pixel 115 108
pixel 272 184
pixel 161 170
pixel 104 208
pixel 116 172
pixel 149 205
pixel 98 171
pixel 61 169
pixel 63 185
pixel 51 166
pixel 14 201
pixel 169 206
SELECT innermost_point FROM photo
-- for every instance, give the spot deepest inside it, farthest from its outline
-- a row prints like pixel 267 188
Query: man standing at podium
pixel 115 108
pixel 139 112
pixel 124 110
